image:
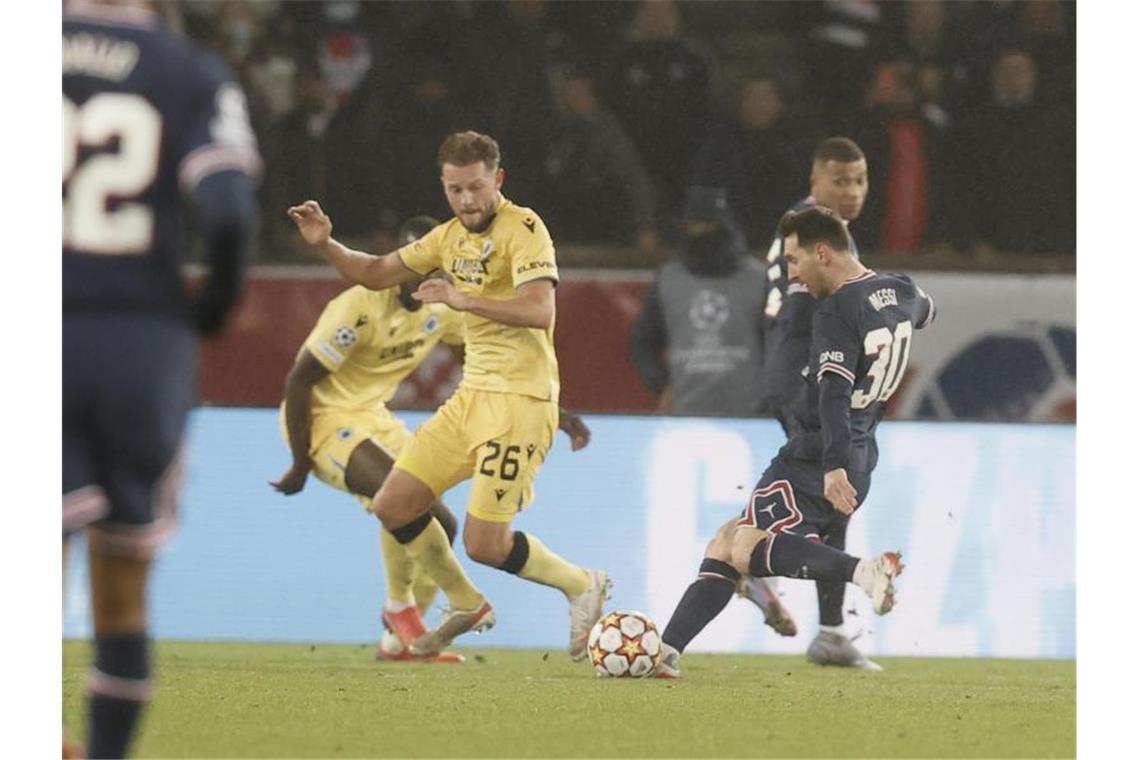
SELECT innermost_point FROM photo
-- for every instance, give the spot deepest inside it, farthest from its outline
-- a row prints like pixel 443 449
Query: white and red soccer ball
pixel 624 644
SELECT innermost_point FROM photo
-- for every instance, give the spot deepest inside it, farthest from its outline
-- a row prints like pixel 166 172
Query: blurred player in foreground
pixel 861 338
pixel 337 425
pixel 148 122
pixel 838 182
pixel 499 425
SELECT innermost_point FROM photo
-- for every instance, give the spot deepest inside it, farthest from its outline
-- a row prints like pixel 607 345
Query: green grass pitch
pixel 297 700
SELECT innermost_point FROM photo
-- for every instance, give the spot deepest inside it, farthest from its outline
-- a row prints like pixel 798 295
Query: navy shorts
pixel 128 383
pixel 777 506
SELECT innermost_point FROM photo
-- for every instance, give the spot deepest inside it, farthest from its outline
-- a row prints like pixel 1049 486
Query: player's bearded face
pixel 840 186
pixel 472 193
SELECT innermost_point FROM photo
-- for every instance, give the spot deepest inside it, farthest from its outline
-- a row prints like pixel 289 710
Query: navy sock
pixel 703 601
pixel 796 557
pixel 831 593
pixel 118 690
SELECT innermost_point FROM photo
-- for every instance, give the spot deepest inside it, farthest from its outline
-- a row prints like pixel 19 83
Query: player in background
pixel 337 425
pixel 861 338
pixel 838 182
pixel 499 424
pixel 149 122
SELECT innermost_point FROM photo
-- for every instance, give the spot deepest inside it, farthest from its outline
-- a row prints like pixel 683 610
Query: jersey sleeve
pixel 835 346
pixel 217 135
pixel 532 252
pixel 339 330
pixel 424 256
pixel 924 309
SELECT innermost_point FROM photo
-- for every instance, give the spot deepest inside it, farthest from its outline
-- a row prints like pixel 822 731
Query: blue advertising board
pixel 983 513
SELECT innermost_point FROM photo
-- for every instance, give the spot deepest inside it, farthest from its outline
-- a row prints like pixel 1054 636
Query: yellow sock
pixel 546 567
pixel 431 551
pixel 398 569
pixel 424 590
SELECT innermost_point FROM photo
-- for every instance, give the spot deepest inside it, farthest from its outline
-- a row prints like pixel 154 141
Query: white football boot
pixel 669 666
pixel 876 577
pixel 835 649
pixel 585 610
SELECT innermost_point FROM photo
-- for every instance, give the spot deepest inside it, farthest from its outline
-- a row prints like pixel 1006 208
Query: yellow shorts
pixel 498 439
pixel 336 434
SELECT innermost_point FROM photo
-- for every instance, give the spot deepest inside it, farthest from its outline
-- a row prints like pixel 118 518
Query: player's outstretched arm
pixel 374 272
pixel 574 426
pixel 306 373
pixel 835 429
pixel 532 307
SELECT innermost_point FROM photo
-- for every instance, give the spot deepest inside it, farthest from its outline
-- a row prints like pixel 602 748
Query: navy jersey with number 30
pixel 861 340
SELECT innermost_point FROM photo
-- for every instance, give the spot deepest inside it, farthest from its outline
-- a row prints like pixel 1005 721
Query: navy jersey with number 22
pixel 146 118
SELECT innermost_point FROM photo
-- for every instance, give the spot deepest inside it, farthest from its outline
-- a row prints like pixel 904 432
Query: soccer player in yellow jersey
pixel 337 425
pixel 498 426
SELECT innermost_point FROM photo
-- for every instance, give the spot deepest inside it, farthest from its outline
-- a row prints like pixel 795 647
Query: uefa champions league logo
pixel 709 310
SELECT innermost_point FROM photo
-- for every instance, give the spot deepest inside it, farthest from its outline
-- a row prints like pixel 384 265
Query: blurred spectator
pixel 426 110
pixel 528 44
pixel 843 35
pixel 908 200
pixel 335 153
pixel 344 53
pixel 698 342
pixel 595 188
pixel 662 93
pixel 1018 164
pixel 755 158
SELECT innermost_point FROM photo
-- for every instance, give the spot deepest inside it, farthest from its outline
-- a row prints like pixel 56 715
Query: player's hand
pixel 438 290
pixel 293 480
pixel 313 223
pixel 838 490
pixel 573 426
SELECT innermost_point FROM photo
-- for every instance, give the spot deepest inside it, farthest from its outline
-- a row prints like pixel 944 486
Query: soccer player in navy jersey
pixel 150 123
pixel 838 182
pixel 861 337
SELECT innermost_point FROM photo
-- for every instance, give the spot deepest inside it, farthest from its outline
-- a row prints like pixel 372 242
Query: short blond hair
pixel 466 148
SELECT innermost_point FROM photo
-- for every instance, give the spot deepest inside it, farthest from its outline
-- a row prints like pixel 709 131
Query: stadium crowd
pixel 607 111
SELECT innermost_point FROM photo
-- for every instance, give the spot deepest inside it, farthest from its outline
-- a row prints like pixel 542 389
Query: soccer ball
pixel 624 644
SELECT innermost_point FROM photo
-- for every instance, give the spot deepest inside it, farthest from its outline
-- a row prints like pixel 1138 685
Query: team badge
pixel 432 324
pixel 344 336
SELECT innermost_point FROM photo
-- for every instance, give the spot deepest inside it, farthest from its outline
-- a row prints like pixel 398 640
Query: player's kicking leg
pixel 410 590
pixel 493 543
pixel 702 601
pixel 735 547
pixel 404 504
pixel 760 554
